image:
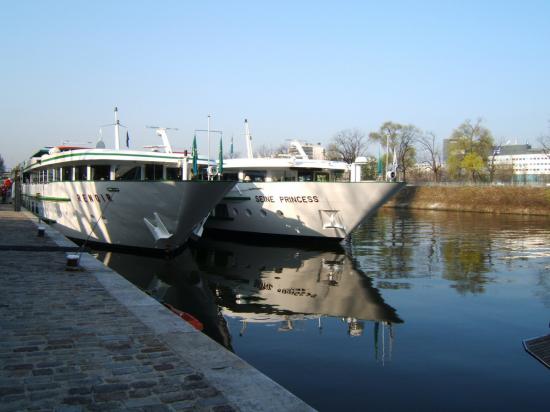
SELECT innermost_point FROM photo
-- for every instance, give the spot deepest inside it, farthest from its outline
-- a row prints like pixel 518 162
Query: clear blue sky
pixel 294 69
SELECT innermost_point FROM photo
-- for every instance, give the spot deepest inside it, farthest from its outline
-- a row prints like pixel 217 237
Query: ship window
pixel 248 212
pixel 230 176
pixel 66 173
pixel 153 172
pixel 128 173
pixel 321 177
pixel 305 176
pixel 101 172
pixel 51 175
pixel 235 211
pixel 255 175
pixel 81 173
pixel 263 212
pixel 280 214
pixel 338 177
pixel 173 173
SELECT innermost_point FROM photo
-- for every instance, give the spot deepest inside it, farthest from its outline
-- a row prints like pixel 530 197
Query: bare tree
pixel 546 146
pixel 406 152
pixel 432 154
pixel 545 142
pixel 401 138
pixel 347 145
pixel 472 145
pixel 492 166
pixel 270 151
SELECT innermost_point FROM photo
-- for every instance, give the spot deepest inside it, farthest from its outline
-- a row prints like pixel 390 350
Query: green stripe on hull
pixel 49 198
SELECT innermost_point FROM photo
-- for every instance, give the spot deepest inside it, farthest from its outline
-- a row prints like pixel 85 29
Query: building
pixel 529 165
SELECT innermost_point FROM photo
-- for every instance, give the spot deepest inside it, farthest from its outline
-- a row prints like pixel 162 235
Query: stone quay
pixel 87 339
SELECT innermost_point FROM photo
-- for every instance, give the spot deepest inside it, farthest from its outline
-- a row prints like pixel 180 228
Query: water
pixel 421 310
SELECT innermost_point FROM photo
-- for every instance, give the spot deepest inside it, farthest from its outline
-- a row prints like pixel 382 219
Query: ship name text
pixel 287 199
pixel 96 197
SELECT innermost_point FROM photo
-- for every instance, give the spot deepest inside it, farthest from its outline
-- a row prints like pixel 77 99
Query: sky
pixel 294 69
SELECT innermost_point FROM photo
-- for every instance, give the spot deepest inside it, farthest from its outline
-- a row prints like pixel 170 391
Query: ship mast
pixel 248 139
pixel 117 130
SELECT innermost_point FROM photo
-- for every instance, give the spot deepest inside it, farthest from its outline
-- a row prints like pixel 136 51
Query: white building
pixel 529 165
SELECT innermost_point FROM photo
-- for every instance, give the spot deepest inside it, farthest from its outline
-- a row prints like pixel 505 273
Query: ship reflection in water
pixel 274 286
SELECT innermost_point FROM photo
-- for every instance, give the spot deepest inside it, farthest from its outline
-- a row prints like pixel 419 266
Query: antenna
pixel 117 125
pixel 161 131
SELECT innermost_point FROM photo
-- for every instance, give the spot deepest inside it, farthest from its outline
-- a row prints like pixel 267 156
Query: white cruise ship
pixel 127 198
pixel 297 196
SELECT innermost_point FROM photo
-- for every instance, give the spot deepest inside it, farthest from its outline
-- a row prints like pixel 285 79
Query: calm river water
pixel 420 310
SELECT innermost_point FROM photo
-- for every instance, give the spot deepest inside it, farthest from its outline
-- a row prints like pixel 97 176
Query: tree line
pixel 470 153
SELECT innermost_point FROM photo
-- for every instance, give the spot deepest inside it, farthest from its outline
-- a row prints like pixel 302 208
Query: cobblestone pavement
pixel 66 344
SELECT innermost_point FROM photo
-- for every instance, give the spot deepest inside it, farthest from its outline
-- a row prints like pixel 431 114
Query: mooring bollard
pixel 72 261
pixel 41 231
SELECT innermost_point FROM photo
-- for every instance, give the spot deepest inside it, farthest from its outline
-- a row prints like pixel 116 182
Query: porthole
pixel 263 212
pixel 235 211
pixel 248 212
pixel 280 214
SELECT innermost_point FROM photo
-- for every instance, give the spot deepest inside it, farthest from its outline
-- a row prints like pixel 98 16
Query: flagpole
pixel 117 132
pixel 208 163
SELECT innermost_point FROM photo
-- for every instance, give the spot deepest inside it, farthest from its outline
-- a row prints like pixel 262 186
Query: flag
pixel 195 156
pixel 127 140
pixel 380 170
pixel 220 158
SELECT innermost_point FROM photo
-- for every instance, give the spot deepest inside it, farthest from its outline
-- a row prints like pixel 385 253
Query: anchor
pixel 157 228
pixel 334 221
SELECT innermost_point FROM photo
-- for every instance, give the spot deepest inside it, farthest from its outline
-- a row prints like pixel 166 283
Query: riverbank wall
pixel 487 199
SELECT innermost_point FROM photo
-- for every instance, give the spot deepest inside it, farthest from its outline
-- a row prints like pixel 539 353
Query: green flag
pixel 220 158
pixel 195 156
pixel 380 166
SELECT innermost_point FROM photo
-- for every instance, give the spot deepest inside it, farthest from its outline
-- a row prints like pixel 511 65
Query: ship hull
pixel 158 215
pixel 319 210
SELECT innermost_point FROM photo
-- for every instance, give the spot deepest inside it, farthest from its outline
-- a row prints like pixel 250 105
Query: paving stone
pixel 11 390
pixel 143 384
pixel 115 387
pixel 156 408
pixel 140 393
pixel 223 408
pixel 69 345
pixel 40 372
pixel 43 386
pixel 163 367
pixel 65 408
pixel 110 396
pixel 78 400
pixel 83 390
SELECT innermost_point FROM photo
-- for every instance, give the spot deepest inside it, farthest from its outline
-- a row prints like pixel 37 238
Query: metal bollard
pixel 72 261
